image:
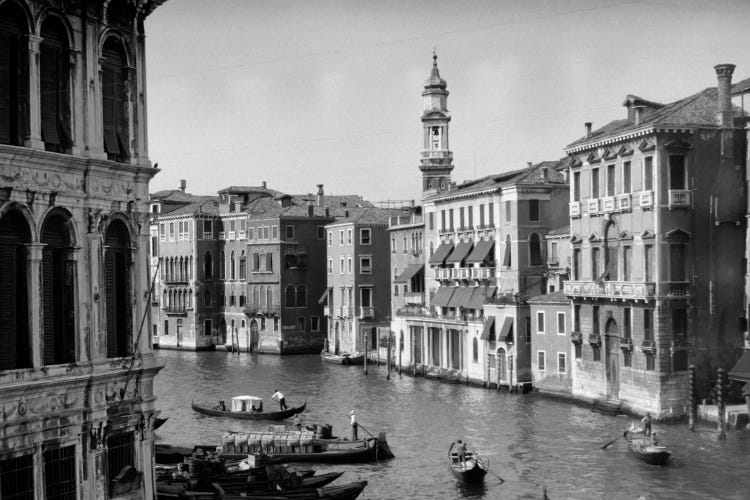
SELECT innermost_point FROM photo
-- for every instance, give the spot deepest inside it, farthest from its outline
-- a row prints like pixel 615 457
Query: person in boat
pixel 355 425
pixel 653 441
pixel 298 422
pixel 280 398
pixel 222 406
pixel 460 448
pixel 646 421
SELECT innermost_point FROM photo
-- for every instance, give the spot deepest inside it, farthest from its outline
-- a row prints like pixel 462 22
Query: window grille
pixel 17 478
pixel 60 473
pixel 120 452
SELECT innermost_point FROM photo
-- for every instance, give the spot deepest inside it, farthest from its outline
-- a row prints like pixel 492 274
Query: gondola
pixel 245 408
pixel 642 448
pixel 356 358
pixel 471 470
pixel 158 422
pixel 348 491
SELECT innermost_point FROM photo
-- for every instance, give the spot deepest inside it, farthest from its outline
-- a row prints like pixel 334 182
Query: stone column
pixel 77 92
pixel 96 340
pixel 73 262
pixel 34 137
pixel 34 293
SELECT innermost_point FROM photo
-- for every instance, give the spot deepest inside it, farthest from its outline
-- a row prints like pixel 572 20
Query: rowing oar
pixel 618 438
pixel 360 426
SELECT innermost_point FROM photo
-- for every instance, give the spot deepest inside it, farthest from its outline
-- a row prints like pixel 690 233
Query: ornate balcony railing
pixel 366 312
pixel 646 199
pixel 345 312
pixel 592 206
pixel 482 273
pixel 679 198
pixel 576 337
pixel 623 202
pixel 610 289
pixel 327 311
pixel 575 209
pixel 677 288
pixel 608 204
pixel 414 298
pixel 460 273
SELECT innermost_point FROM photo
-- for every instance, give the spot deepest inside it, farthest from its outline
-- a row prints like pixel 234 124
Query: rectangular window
pixel 481 215
pixel 648 262
pixel 540 322
pixel 677 263
pixel 679 324
pixel 648 173
pixel 471 217
pixel 576 186
pixel 627 358
pixel 508 211
pixel 553 251
pixel 341 237
pixel 677 177
pixel 342 265
pixel 576 318
pixel 166 324
pixel 596 352
pixel 330 266
pixel 171 231
pixel 594 263
pixel 648 321
pixel 443 225
pixel 393 244
pixel 406 244
pixel 289 232
pixel 349 265
pixel 461 222
pixel 561 323
pixel 528 330
pixel 59 474
pixel 626 188
pixel 365 297
pixel 301 324
pixel 534 210
pixel 154 246
pixel 540 360
pixel 450 218
pixel 431 219
pixel 595 183
pixel 491 211
pixel 314 324
pixel 250 233
pixel 561 362
pixel 265 232
pixel 275 232
pixel 207 327
pixel 650 362
pixel 162 235
pixel 610 180
pixel 365 236
pixel 120 453
pixel 348 236
pixel 330 238
pixel 321 232
pixel 365 265
pixel 17 477
pixel 627 318
pixel 627 266
pixel 577 264
pixel 578 350
pixel 595 320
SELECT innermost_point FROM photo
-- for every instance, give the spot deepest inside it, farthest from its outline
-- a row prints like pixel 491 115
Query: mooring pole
pixel 400 343
pixel 720 388
pixel 388 358
pixel 691 387
pixel 365 353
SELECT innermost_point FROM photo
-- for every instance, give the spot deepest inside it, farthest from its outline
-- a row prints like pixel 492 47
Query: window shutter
pixel 269 262
pixel 5 99
pixel 108 111
pixel 7 307
pixel 109 291
pixel 48 88
pixel 48 306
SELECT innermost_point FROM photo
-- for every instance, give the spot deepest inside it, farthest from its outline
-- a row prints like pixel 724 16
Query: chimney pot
pixel 637 114
pixel 320 195
pixel 264 184
pixel 588 129
pixel 183 183
pixel 528 163
pixel 310 210
pixel 725 116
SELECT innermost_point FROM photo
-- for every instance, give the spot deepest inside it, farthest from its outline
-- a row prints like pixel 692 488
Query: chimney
pixel 588 129
pixel 320 195
pixel 637 114
pixel 310 210
pixel 725 116
pixel 328 212
pixel 264 184
pixel 529 164
pixel 183 183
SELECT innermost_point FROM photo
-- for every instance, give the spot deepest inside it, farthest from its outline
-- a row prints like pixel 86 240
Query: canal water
pixel 532 442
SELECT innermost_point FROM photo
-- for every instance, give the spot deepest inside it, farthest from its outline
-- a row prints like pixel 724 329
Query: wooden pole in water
pixel 691 388
pixel 388 357
pixel 365 353
pixel 720 388
pixel 400 343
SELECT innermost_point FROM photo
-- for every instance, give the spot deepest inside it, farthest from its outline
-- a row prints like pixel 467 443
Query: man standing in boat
pixel 355 425
pixel 280 398
pixel 461 452
pixel 646 421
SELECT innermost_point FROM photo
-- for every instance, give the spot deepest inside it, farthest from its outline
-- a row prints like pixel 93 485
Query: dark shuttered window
pixel 117 289
pixel 14 75
pixel 113 103
pixel 14 328
pixel 54 79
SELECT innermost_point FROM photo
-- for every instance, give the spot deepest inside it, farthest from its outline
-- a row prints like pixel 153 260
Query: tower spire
pixel 437 160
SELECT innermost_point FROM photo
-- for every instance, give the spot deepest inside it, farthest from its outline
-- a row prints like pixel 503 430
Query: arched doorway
pixel 254 335
pixel 613 359
pixel 502 367
pixel 336 338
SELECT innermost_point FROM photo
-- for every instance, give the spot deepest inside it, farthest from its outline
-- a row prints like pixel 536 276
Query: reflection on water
pixel 530 441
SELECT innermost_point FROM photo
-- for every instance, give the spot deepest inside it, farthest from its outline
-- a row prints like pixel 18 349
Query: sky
pixel 298 93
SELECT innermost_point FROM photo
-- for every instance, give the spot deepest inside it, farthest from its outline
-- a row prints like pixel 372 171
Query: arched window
pixel 54 85
pixel 222 266
pixel 117 284
pixel 256 296
pixel 208 266
pixel 289 296
pixel 508 258
pixel 269 295
pixel 114 102
pixel 302 296
pixel 243 266
pixel 58 292
pixel 207 299
pixel 14 327
pixel 475 350
pixel 262 294
pixel 14 75
pixel 535 250
pixel 232 274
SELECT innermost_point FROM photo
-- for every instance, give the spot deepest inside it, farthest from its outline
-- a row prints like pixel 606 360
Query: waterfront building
pixel 551 349
pixel 657 228
pixel 484 242
pixel 558 258
pixel 357 298
pixel 76 370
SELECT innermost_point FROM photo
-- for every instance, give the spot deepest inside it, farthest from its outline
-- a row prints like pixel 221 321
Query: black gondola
pixel 471 470
pixel 244 407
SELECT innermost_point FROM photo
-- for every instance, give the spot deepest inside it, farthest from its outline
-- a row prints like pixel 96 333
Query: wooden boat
pixel 356 358
pixel 304 447
pixel 348 491
pixel 246 408
pixel 642 448
pixel 256 486
pixel 472 470
pixel 158 422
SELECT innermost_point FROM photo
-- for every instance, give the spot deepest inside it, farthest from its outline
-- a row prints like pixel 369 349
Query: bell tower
pixel 436 161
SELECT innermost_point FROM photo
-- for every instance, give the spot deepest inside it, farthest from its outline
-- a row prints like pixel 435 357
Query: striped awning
pixel 442 296
pixel 480 296
pixel 506 332
pixel 438 258
pixel 410 271
pixel 461 297
pixel 487 328
pixel 459 253
pixel 480 252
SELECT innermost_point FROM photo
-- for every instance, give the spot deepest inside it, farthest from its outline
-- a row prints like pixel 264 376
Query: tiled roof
pixel 741 86
pixel 548 298
pixel 529 175
pixel 347 200
pixel 697 110
pixel 208 206
pixel 174 195
pixel 559 231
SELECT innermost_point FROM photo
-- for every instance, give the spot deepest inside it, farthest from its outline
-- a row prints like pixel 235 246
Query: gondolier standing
pixel 355 425
pixel 280 398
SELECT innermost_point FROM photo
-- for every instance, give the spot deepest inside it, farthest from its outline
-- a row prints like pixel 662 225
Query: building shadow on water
pixel 471 490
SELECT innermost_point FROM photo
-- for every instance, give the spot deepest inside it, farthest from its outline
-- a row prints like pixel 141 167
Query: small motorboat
pixel 247 408
pixel 644 448
pixel 355 358
pixel 472 469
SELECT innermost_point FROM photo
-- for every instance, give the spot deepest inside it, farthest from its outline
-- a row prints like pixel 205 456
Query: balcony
pixel 608 204
pixel 646 199
pixel 231 235
pixel 576 337
pixel 443 273
pixel 460 273
pixel 366 312
pixel 610 289
pixel 415 298
pixel 626 344
pixel 221 235
pixel 208 235
pixel 482 273
pixel 176 311
pixel 648 346
pixel 676 289
pixel 623 202
pixel 592 206
pixel 575 209
pixel 595 339
pixel 436 154
pixel 242 235
pixel 679 198
pixel 327 311
pixel 345 312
